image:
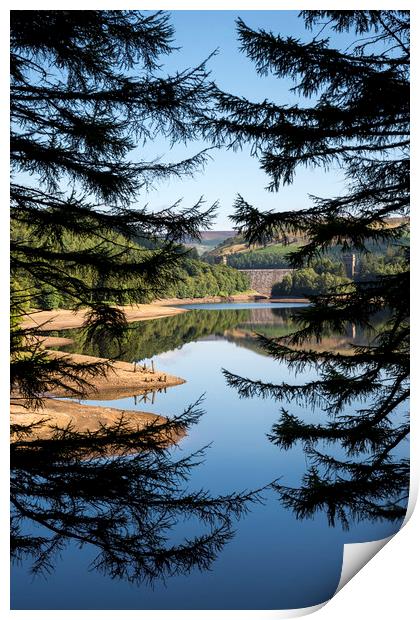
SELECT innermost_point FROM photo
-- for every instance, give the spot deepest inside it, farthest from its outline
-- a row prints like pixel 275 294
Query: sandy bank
pixel 82 418
pixel 213 299
pixel 54 341
pixel 48 320
pixel 121 379
pixel 288 300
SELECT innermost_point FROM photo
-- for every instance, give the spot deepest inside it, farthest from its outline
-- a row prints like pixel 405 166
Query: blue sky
pixel 198 33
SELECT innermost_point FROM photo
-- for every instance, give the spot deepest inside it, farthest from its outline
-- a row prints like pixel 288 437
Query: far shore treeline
pixel 190 277
pixel 195 276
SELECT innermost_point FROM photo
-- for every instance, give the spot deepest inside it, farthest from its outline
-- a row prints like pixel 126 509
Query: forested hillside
pixel 190 277
pixel 326 274
pixel 380 258
pixel 270 257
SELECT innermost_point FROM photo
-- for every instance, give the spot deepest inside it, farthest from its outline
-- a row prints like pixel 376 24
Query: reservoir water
pixel 272 560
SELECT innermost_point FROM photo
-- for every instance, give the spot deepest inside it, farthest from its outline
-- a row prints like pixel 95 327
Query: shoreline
pixel 289 300
pixel 82 418
pixel 58 320
pixel 210 299
pixel 122 379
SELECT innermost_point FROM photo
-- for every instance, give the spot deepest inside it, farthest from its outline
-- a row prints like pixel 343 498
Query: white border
pixel 387 586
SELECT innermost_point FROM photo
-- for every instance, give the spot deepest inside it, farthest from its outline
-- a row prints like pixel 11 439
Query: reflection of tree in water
pixel 122 493
pixel 361 403
pixel 148 338
pixel 278 322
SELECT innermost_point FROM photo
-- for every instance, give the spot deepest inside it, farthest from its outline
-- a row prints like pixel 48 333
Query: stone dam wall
pixel 262 280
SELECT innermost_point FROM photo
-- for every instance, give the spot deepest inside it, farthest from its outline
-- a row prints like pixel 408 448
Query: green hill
pixel 239 255
pixel 187 277
pixel 236 253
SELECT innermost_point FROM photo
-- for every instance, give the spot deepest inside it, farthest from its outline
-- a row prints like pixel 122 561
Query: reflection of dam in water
pixel 269 316
pixel 284 317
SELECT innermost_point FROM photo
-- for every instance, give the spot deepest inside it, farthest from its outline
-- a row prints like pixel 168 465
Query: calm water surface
pixel 274 561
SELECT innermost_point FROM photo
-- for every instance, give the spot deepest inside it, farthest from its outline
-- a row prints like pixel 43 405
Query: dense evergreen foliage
pixel 189 277
pixel 370 265
pixel 306 282
pixel 86 88
pixel 271 257
pixel 357 117
pixel 194 278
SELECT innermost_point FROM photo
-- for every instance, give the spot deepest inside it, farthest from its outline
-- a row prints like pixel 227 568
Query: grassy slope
pixel 278 249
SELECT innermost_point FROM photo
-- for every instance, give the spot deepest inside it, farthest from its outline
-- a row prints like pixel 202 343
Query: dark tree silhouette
pixel 86 88
pixel 357 117
pixel 123 493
